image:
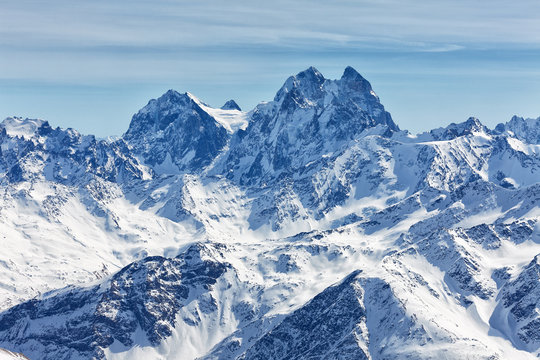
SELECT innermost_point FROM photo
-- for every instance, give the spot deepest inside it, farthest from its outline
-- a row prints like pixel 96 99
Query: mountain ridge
pixel 231 226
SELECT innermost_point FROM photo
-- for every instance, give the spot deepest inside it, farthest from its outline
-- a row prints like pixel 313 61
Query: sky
pixel 91 65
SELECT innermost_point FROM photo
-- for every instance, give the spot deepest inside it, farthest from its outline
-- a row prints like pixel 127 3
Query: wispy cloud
pixel 214 22
pixel 236 46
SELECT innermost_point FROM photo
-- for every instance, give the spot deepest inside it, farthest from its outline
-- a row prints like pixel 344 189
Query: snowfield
pixel 9 355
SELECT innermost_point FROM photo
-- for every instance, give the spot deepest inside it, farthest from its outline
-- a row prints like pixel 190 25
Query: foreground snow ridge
pixel 310 227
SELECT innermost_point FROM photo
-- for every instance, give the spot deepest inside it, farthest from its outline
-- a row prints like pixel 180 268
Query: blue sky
pixel 91 64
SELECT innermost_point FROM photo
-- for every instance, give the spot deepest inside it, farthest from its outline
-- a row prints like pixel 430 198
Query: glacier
pixel 311 227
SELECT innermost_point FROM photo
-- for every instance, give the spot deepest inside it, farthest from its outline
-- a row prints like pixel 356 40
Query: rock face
pixel 523 129
pixel 309 117
pixel 231 105
pixel 309 227
pixel 174 134
pixel 317 330
pixel 452 131
pixel 145 296
pixel 32 149
pixel 518 314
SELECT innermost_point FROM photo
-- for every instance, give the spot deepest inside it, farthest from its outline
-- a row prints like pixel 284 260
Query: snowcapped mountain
pixel 526 130
pixel 308 227
pixel 174 134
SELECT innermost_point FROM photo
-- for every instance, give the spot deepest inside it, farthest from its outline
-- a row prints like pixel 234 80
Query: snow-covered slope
pixel 16 126
pixel 9 355
pixel 309 227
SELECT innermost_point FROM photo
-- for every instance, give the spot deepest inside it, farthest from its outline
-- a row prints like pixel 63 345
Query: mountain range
pixel 311 227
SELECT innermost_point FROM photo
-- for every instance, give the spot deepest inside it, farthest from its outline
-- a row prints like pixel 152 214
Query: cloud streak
pixel 209 23
pixel 246 48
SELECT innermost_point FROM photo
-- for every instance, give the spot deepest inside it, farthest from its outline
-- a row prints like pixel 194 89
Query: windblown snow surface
pixel 310 227
pixel 9 355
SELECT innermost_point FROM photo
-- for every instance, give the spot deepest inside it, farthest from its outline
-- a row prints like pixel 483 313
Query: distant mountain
pixel 308 227
pixel 231 105
pixel 524 129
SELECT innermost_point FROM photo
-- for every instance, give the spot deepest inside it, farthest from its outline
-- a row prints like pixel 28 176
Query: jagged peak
pixel 452 131
pixel 176 133
pixel 20 120
pixel 311 73
pixel 473 123
pixel 309 89
pixel 307 82
pixel 202 251
pixel 311 84
pixel 173 94
pixel 25 127
pixel 231 105
pixel 171 98
pixel 352 82
pixel 350 73
pixel 518 120
pixel 526 129
pixel 530 122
